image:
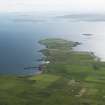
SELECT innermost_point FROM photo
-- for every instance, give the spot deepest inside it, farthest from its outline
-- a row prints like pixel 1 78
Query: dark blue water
pixel 19 36
pixel 18 46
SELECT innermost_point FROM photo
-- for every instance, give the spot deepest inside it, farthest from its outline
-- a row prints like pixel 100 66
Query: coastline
pixel 73 45
pixel 68 76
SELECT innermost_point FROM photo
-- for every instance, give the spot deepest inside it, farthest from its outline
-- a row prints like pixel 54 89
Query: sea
pixel 20 33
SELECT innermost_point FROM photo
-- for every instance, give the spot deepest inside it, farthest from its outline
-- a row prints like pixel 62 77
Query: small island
pixel 68 78
pixel 87 34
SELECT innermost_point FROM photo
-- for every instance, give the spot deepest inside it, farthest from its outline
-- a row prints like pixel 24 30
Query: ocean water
pixel 19 36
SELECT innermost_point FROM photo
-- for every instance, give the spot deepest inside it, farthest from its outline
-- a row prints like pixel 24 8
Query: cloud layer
pixel 53 5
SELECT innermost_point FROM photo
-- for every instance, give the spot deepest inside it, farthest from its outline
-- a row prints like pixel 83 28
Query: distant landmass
pixel 84 17
pixel 29 20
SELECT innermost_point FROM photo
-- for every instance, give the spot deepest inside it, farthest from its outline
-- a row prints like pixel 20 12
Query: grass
pixel 71 78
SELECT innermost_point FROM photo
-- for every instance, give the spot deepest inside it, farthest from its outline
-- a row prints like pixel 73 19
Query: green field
pixel 71 78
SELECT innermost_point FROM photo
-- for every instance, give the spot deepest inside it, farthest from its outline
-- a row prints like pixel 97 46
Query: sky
pixel 52 5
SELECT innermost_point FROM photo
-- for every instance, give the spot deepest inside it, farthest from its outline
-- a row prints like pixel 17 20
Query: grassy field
pixel 71 78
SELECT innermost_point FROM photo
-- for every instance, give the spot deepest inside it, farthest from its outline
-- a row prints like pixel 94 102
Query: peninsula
pixel 70 78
